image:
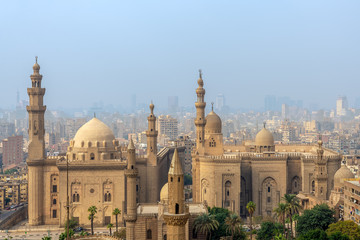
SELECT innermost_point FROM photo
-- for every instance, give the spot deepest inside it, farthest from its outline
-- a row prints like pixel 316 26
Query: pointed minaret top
pixel 131 144
pixel 175 166
pixel 151 107
pixel 200 81
pixel 36 66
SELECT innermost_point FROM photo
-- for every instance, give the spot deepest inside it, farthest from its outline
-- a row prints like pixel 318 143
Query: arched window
pixel 194 233
pixel 176 208
pixel 107 197
pixel 54 201
pixel 178 179
pixel 171 179
pixel 74 197
pixel 148 234
pixel 165 237
pixel 92 156
pixel 227 193
pixel 313 186
pixel 212 143
pixel 78 197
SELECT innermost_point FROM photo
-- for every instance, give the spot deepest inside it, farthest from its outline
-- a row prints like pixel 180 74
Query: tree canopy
pixel 348 228
pixel 269 230
pixel 321 216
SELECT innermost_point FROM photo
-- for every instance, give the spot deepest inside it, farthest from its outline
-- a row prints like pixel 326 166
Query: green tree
pixel 280 213
pixel 321 216
pixel 72 224
pixel 92 210
pixel 187 179
pixel 233 224
pixel 63 235
pixel 206 224
pixel 109 226
pixel 292 207
pixel 339 236
pixel 251 207
pixel 46 238
pixel 269 230
pixel 116 212
pixel 220 215
pixel 314 234
pixel 348 228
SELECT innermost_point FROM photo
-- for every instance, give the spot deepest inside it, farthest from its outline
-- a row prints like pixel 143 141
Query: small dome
pixel 213 123
pixel 343 172
pixel 93 131
pixel 36 67
pixel 264 138
pixel 164 193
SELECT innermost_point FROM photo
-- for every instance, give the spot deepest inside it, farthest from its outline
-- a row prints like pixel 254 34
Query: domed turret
pixel 94 132
pixel 264 141
pixel 341 174
pixel 164 193
pixel 213 123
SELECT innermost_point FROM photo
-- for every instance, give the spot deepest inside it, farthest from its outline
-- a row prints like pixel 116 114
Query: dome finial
pixel 36 57
pixel 212 106
pixel 36 66
pixel 94 115
pixel 200 81
pixel 200 74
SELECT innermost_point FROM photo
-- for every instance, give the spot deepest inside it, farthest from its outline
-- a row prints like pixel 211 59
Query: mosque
pixel 149 191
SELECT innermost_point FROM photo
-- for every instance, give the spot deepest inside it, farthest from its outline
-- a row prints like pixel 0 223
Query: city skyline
pixel 152 49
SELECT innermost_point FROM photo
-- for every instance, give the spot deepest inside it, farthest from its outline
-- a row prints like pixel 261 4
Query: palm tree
pixel 116 212
pixel 92 210
pixel 280 212
pixel 292 207
pixel 233 224
pixel 205 224
pixel 251 206
pixel 109 226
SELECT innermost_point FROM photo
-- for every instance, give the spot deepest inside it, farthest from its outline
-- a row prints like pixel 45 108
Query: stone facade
pixel 231 176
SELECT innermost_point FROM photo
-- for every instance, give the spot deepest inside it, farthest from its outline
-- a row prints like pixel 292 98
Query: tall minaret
pixel 36 150
pixel 200 121
pixel 152 176
pixel 177 214
pixel 320 175
pixel 131 174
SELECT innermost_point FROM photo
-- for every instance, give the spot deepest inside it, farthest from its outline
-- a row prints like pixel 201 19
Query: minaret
pixel 177 214
pixel 320 175
pixel 36 150
pixel 131 174
pixel 200 121
pixel 152 188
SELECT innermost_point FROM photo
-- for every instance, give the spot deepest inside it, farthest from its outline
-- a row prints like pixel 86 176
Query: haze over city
pixel 107 52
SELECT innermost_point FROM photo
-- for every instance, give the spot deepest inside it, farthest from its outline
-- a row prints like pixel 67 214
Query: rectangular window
pixel 137 188
pixel 54 188
pixel 268 199
pixel 54 214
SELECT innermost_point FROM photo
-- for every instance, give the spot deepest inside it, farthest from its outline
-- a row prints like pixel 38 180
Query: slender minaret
pixel 177 214
pixel 152 176
pixel 320 175
pixel 36 150
pixel 200 121
pixel 131 174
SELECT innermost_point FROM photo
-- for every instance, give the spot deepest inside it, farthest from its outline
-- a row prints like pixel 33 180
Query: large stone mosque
pixel 149 191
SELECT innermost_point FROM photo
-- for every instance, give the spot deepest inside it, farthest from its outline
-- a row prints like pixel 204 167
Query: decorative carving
pixel 176 219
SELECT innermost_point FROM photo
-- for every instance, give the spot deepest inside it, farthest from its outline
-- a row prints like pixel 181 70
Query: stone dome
pixel 164 193
pixel 343 172
pixel 94 131
pixel 213 123
pixel 264 138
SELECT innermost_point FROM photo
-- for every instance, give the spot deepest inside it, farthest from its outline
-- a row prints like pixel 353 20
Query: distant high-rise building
pixel 133 102
pixel 341 106
pixel 220 102
pixel 270 103
pixel 284 111
pixel 173 103
pixel 168 126
pixel 12 151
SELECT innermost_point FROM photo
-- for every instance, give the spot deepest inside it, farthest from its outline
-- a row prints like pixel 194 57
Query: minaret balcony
pixel 131 172
pixel 176 219
pixel 130 218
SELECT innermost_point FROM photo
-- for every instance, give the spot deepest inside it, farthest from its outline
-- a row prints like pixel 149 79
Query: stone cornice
pixel 131 173
pixel 176 219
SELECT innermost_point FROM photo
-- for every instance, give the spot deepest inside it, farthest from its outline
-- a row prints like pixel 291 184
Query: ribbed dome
pixel 94 131
pixel 264 138
pixel 213 123
pixel 343 172
pixel 164 193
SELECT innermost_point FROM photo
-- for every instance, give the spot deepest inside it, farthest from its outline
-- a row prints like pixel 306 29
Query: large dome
pixel 343 172
pixel 164 193
pixel 94 131
pixel 264 138
pixel 213 123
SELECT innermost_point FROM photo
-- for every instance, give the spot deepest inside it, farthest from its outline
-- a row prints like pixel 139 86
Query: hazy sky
pixel 109 50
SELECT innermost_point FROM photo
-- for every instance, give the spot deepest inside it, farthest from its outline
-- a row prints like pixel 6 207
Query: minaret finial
pixel 200 73
pixel 212 106
pixel 152 107
pixel 94 115
pixel 36 57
